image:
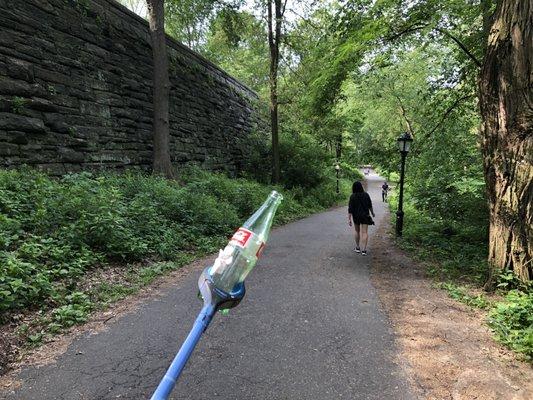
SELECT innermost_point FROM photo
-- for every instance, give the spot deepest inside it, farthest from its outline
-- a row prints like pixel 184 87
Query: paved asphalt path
pixel 310 327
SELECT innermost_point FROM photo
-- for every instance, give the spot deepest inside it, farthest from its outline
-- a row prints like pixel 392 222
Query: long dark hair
pixel 357 187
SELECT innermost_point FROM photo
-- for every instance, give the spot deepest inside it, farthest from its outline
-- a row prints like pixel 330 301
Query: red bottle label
pixel 241 237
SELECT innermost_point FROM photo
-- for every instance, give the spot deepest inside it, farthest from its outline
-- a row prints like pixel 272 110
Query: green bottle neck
pixel 261 221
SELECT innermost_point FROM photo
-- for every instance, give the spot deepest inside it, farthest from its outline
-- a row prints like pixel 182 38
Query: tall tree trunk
pixel 274 34
pixel 506 101
pixel 338 147
pixel 161 90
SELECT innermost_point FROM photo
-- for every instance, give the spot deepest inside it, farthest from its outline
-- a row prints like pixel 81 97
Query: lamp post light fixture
pixel 404 144
pixel 337 169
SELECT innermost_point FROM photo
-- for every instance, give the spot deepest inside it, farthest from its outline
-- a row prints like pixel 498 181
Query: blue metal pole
pixel 169 380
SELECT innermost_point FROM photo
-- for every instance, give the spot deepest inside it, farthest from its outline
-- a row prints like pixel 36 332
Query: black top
pixel 360 204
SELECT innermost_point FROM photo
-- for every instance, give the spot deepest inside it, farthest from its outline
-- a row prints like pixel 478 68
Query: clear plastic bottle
pixel 238 258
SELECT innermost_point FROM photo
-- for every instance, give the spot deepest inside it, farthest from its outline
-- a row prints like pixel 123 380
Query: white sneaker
pixel 357 249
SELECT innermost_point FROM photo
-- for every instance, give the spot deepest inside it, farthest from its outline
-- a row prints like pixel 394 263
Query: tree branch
pixel 461 45
pixel 414 28
pixel 406 31
pixel 304 19
pixel 404 115
pixel 448 112
pixel 283 8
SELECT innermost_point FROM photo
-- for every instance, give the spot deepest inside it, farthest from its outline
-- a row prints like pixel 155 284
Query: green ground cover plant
pixel 512 322
pixel 461 293
pixel 54 231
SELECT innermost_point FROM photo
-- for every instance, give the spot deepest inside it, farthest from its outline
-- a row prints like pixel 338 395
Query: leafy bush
pixel 512 322
pixel 304 163
pixel 454 250
pixel 53 230
pixel 350 172
pixel 508 280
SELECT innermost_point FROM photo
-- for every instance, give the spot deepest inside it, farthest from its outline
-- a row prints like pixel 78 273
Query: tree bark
pixel 486 13
pixel 274 34
pixel 161 90
pixel 506 103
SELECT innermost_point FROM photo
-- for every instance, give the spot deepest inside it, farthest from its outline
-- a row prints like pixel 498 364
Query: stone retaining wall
pixel 75 92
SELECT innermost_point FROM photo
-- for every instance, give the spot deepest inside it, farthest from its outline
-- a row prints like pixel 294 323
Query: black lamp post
pixel 337 169
pixel 404 144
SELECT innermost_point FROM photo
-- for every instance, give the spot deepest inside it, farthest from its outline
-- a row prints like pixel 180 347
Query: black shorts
pixel 362 219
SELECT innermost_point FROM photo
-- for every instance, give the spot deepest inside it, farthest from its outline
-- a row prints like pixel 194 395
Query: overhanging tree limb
pixel 415 28
pixel 461 46
pixel 405 31
pixel 304 19
pixel 448 112
pixel 404 115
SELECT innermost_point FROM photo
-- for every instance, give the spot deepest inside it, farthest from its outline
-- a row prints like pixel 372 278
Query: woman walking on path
pixel 359 210
pixel 384 191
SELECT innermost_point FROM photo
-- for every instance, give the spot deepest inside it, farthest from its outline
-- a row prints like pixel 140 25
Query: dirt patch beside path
pixel 449 349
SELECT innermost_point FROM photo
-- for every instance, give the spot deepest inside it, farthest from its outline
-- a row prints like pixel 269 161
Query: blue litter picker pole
pixel 214 299
pixel 169 380
pixel 222 285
